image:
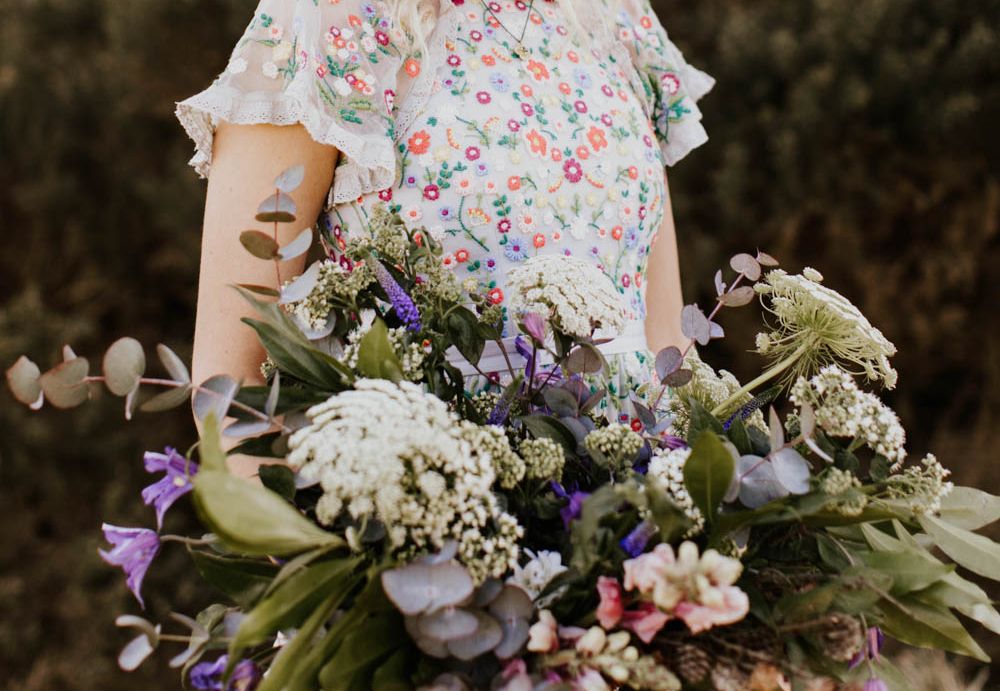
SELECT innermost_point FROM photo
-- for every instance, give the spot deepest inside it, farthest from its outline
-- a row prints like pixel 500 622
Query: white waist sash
pixel 630 340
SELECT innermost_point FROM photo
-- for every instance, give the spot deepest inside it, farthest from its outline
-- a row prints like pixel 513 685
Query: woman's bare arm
pixel 245 161
pixel 664 299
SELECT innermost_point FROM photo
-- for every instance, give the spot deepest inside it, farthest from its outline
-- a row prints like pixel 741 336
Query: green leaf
pixel 548 427
pixel 124 364
pixel 708 473
pixel 279 479
pixel 976 553
pixel 701 420
pixel 168 400
pixel 23 380
pixel 465 333
pixel 925 626
pixel 289 605
pixel 740 438
pixel 266 445
pixel 243 580
pixel 909 571
pixel 210 446
pixel 946 594
pixel 797 607
pixel 376 358
pixel 363 648
pixel 394 674
pixel 292 351
pixel 970 508
pixel 64 385
pixel 253 520
pixel 260 245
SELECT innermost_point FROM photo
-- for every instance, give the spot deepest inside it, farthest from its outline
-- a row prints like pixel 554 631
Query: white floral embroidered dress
pixel 501 158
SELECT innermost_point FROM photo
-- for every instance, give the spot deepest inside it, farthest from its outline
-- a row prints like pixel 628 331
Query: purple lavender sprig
pixel 405 308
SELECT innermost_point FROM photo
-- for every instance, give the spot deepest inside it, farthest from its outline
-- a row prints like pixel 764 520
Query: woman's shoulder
pixel 342 68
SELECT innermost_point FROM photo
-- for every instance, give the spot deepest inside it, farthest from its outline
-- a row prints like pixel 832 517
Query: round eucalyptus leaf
pixel 488 592
pixel 792 470
pixel 173 364
pixel 276 208
pixel 586 359
pixel 720 285
pixel 512 603
pixel 297 247
pixel 739 297
pixel 247 428
pixel 561 402
pixel 132 402
pixel 259 244
pixel 765 259
pixel 678 379
pixel 260 290
pixel 64 385
pixel 290 179
pixel 668 361
pixel 485 638
pixel 759 484
pixel 447 624
pixel 301 286
pixel 746 265
pixel 167 400
pixel 23 379
pixel 215 395
pixel 428 646
pixel 124 365
pixel 695 325
pixel 135 653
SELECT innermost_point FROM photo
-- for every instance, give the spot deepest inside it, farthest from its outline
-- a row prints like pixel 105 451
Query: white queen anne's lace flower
pixel 667 468
pixel 844 410
pixel 397 454
pixel 816 326
pixel 573 293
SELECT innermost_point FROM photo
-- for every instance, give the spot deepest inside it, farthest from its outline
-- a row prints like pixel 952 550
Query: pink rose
pixel 645 622
pixel 609 612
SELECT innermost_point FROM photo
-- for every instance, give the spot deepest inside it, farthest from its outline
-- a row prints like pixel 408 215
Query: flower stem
pixel 762 379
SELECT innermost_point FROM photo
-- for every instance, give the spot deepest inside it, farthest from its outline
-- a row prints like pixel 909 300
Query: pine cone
pixel 692 663
pixel 729 677
pixel 840 636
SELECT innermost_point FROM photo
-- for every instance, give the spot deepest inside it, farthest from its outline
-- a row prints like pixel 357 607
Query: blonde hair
pixel 418 17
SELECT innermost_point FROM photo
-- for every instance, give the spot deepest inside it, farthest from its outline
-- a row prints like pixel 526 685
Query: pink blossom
pixel 732 606
pixel 645 571
pixel 609 612
pixel 542 636
pixel 590 680
pixel 645 622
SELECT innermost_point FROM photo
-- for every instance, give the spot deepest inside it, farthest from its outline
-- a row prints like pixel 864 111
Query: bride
pixel 507 129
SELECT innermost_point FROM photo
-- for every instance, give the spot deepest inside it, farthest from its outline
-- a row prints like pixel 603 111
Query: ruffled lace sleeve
pixel 672 86
pixel 334 66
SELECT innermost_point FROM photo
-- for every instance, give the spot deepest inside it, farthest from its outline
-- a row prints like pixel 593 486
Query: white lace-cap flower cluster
pixel 823 323
pixel 844 410
pixel 667 467
pixel 423 479
pixel 576 295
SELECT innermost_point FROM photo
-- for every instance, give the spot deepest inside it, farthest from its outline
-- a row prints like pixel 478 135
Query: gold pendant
pixel 522 51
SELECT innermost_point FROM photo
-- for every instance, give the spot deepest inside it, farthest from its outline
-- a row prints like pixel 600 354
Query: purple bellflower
pixel 635 542
pixel 405 308
pixel 574 508
pixel 207 676
pixel 133 549
pixel 874 640
pixel 172 486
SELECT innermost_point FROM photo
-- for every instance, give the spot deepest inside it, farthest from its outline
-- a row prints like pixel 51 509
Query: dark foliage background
pixel 858 137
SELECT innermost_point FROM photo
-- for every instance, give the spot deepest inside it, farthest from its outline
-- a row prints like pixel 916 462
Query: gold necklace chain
pixel 520 50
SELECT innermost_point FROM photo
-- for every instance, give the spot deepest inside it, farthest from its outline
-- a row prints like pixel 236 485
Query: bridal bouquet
pixel 414 531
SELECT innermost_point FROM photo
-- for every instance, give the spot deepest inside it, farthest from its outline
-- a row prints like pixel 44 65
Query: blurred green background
pixel 858 137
